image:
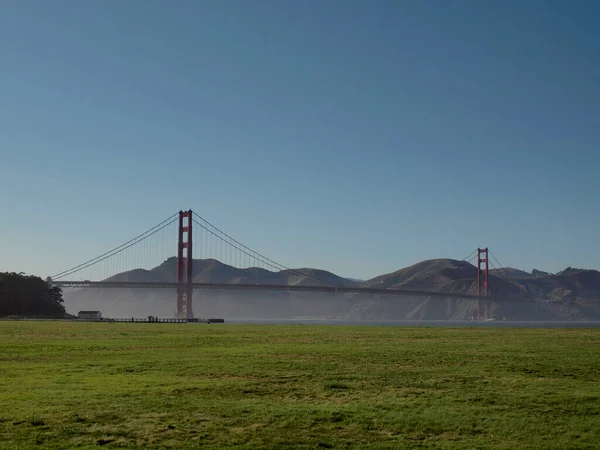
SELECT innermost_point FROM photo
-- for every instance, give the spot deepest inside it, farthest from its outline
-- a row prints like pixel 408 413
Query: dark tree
pixel 28 295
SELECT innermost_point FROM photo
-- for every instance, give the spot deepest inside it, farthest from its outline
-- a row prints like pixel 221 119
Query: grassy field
pixel 181 386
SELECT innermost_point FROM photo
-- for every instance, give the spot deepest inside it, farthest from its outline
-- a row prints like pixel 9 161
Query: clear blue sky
pixel 355 136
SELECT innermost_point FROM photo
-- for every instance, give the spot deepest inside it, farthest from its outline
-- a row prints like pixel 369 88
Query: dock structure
pixel 156 320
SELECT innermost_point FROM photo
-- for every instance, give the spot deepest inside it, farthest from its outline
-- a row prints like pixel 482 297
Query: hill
pixel 510 272
pixel 213 271
pixel 426 275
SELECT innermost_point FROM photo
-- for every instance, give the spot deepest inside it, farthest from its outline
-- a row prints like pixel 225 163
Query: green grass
pixel 180 386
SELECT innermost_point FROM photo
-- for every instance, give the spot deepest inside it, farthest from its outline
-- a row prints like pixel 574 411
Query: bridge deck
pixel 273 287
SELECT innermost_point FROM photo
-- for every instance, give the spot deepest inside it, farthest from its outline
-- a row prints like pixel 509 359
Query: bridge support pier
pixel 482 283
pixel 185 266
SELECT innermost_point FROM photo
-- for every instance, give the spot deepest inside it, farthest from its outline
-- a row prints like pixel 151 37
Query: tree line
pixel 28 295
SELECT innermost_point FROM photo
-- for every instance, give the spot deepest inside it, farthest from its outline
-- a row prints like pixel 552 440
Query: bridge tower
pixel 482 282
pixel 185 266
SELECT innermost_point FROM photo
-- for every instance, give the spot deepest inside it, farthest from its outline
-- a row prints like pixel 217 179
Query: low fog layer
pixel 272 305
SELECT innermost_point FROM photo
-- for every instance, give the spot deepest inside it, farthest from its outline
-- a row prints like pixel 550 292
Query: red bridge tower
pixel 185 265
pixel 482 282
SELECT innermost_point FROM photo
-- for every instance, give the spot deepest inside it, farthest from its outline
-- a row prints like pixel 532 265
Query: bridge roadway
pixel 271 287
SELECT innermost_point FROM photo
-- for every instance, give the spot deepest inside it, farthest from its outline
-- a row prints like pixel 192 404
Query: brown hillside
pixel 510 272
pixel 214 271
pixel 427 275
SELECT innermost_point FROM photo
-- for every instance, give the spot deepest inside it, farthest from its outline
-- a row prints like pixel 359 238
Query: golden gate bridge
pixel 139 263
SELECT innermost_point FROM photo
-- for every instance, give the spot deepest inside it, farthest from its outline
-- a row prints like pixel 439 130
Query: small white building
pixel 89 315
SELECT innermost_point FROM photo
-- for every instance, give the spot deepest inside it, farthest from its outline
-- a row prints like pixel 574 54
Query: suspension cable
pixel 274 263
pixel 469 256
pixel 118 249
pixel 245 250
pixel 503 271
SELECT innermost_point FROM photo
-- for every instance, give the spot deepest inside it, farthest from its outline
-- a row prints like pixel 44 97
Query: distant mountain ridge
pixel 511 272
pixel 571 293
pixel 214 271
